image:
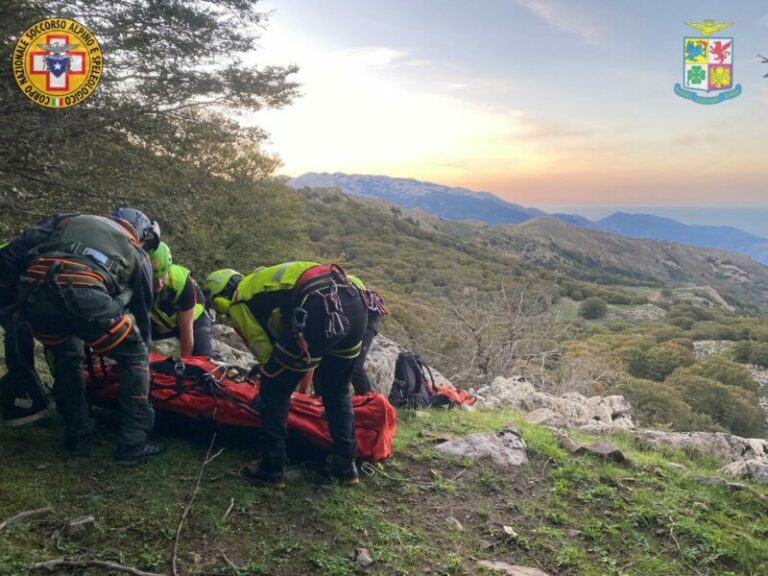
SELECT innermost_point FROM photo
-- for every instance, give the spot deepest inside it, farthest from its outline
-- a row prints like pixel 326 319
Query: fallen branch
pixel 229 510
pixel 193 493
pixel 23 515
pixel 52 565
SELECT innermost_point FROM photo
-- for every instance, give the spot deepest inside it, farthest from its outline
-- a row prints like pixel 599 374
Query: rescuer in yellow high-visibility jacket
pixel 295 317
pixel 178 308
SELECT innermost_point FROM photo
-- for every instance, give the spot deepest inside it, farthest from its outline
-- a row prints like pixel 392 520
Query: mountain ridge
pixel 457 203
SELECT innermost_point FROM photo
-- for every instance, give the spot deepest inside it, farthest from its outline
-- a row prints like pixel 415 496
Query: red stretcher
pixel 201 389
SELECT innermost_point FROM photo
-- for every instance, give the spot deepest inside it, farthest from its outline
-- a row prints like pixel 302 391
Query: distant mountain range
pixel 463 204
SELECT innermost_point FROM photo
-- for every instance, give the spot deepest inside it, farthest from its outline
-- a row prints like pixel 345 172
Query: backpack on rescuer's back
pixel 414 386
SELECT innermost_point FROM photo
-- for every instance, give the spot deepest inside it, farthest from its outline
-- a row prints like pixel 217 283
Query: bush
pixel 709 330
pixel 660 405
pixel 725 372
pixel 758 354
pixel 741 351
pixel 665 333
pixel 593 308
pixel 657 362
pixel 734 408
pixel 684 322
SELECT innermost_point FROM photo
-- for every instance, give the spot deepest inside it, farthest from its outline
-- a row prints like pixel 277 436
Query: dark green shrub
pixel 741 351
pixel 684 322
pixel 665 333
pixel 734 408
pixel 709 330
pixel 660 405
pixel 725 372
pixel 593 308
pixel 758 354
pixel 657 362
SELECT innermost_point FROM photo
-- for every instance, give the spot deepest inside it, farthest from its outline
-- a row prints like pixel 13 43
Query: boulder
pixel 725 447
pixel 505 449
pixel 754 470
pixel 547 417
pixel 605 450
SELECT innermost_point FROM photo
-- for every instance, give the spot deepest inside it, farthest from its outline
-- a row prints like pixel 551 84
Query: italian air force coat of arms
pixel 708 66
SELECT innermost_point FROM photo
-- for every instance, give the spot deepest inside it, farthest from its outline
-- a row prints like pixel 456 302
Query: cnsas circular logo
pixel 57 63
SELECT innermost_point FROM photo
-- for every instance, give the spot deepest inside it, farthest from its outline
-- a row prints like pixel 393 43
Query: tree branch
pixel 23 515
pixel 51 565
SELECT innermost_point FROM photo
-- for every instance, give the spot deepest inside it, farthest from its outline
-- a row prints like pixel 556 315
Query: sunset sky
pixel 543 102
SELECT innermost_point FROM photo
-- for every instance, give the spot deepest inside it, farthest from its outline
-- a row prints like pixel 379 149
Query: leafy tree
pixel 158 126
pixel 593 308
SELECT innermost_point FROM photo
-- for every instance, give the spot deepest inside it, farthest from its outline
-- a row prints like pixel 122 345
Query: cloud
pixel 561 15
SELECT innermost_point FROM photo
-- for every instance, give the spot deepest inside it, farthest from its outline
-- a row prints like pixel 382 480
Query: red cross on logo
pixel 57 65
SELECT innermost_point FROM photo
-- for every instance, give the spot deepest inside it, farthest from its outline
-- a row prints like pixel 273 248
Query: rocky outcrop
pixel 504 449
pixel 755 470
pixel 571 409
pixel 705 348
pixel 725 447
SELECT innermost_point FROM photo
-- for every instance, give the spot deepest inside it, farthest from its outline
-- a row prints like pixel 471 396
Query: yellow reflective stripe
pixel 348 353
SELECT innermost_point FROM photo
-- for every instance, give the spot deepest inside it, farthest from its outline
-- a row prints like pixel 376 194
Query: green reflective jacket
pixel 256 304
pixel 165 310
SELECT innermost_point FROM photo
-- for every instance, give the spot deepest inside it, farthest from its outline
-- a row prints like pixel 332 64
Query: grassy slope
pixel 571 515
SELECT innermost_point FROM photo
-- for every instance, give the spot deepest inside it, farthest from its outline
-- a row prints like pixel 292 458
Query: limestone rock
pixel 604 449
pixel 546 416
pixel 571 409
pixel 754 470
pixel 725 447
pixel 505 449
pixel 363 557
pixel 454 523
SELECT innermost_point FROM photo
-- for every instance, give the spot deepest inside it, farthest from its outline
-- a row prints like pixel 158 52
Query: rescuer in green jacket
pixel 295 317
pixel 178 309
pixel 91 281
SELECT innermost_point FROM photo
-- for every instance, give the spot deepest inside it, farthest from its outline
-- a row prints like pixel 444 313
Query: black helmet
pixel 148 230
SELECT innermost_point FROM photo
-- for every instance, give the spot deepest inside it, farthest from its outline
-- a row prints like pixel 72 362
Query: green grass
pixel 570 515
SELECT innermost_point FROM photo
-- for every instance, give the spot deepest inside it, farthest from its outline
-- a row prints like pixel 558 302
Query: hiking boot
pixel 23 410
pixel 344 470
pixel 137 454
pixel 262 473
pixel 79 446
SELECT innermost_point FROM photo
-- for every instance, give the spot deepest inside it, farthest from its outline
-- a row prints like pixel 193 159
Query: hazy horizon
pixel 541 102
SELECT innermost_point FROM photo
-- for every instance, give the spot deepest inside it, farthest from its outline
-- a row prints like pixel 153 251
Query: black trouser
pixel 22 378
pixel 360 381
pixel 62 317
pixel 201 332
pixel 332 375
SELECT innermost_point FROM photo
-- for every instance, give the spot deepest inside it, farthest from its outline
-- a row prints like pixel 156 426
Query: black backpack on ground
pixel 411 387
